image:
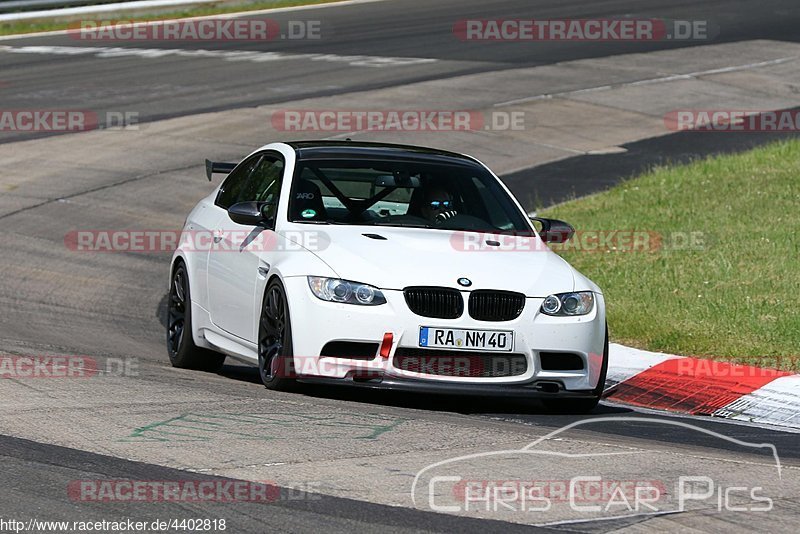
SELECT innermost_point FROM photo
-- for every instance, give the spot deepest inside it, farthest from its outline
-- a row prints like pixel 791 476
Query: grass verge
pixel 733 293
pixel 13 28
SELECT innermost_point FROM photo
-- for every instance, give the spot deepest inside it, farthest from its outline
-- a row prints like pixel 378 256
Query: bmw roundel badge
pixel 466 282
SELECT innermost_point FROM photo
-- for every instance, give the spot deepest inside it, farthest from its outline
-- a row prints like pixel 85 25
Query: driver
pixel 437 206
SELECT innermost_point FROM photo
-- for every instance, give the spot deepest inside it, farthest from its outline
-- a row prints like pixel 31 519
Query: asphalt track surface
pixel 37 473
pixel 173 86
pixel 127 317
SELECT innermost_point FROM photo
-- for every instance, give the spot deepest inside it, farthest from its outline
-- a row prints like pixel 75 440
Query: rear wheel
pixel 180 344
pixel 275 353
pixel 583 405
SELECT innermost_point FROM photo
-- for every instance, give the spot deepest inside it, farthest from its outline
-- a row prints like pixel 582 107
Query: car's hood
pixel 423 257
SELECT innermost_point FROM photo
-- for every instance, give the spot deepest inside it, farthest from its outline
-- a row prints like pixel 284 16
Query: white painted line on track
pixel 648 81
pixel 220 16
pixel 227 55
pixel 98 8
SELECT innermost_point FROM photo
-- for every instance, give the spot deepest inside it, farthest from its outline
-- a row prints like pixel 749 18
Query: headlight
pixel 570 304
pixel 345 291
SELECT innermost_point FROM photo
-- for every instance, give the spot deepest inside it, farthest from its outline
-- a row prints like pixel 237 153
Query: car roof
pixel 327 149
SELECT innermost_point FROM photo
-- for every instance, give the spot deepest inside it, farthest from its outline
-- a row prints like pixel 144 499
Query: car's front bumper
pixel 315 323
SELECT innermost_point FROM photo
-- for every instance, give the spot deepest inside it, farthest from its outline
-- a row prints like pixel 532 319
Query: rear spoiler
pixel 218 166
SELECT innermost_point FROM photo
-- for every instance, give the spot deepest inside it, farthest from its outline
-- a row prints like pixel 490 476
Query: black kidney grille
pixel 436 302
pixel 489 305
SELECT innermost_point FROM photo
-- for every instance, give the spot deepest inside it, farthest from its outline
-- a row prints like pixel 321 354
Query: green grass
pixel 12 28
pixel 736 297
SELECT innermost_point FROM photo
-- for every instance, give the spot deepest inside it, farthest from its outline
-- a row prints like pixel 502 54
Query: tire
pixel 275 353
pixel 182 351
pixel 583 406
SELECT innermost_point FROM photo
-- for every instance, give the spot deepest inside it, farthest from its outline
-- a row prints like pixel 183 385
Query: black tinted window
pixel 442 195
pixel 235 183
pixel 265 184
pixel 258 179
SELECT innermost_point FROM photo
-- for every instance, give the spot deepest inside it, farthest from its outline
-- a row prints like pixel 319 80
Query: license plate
pixel 450 338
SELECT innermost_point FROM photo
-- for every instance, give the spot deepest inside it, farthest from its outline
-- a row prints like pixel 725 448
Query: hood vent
pixel 376 237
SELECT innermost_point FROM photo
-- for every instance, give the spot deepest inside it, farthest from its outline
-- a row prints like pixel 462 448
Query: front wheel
pixel 182 351
pixel 275 354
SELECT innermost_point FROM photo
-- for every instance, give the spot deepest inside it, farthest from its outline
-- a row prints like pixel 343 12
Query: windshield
pixel 402 193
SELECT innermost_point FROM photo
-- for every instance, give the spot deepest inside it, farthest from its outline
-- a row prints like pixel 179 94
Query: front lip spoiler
pixel 526 390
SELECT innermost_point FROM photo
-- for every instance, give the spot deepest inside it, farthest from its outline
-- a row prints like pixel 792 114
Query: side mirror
pixel 553 230
pixel 250 213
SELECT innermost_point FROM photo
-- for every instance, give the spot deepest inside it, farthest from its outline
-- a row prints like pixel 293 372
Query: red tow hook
pixel 386 345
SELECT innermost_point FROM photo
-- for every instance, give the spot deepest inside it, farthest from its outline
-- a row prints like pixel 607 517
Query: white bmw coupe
pixel 383 266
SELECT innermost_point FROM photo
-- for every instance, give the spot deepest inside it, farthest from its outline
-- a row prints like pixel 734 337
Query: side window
pixel 264 184
pixel 257 179
pixel 235 184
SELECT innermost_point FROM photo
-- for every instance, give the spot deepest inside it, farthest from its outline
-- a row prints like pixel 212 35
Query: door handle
pixel 217 238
